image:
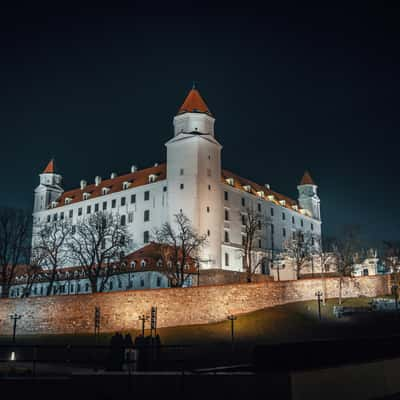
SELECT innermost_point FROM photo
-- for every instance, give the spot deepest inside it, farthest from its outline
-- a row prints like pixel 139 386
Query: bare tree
pixel 254 231
pixel 391 258
pixel 346 252
pixel 98 244
pixel 178 247
pixel 15 231
pixel 299 248
pixel 33 270
pixel 49 251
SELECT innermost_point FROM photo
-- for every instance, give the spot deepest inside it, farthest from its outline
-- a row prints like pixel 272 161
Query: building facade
pixel 192 181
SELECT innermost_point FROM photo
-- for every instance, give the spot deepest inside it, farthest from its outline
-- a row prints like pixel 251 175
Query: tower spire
pixel 50 168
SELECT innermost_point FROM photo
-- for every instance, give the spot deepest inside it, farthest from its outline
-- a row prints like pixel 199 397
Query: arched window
pixel 133 264
pixel 143 263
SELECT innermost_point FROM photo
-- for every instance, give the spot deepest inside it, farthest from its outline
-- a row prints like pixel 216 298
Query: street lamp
pixel 15 317
pixel 143 318
pixel 232 318
pixel 319 299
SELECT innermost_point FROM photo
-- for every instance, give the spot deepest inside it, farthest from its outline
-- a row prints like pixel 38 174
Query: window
pixel 133 264
pixel 61 215
pixel 142 282
pixel 104 205
pixel 133 198
pixel 259 224
pixel 226 215
pixel 209 187
pixel 294 235
pixel 208 232
pixel 146 237
pixel 73 229
pixel 164 189
pixel 113 203
pixel 182 186
pixel 88 209
pixel 208 172
pixel 86 287
pixel 226 260
pixel 243 219
pixel 111 285
pixel 226 238
pixel 181 172
pixel 78 287
pixel 119 284
pixel 312 241
pixel 272 229
pixel 96 207
pixel 123 220
pixel 123 201
pixel 143 263
pixel 48 218
pixel 259 207
pixel 146 215
pixel 312 225
pixel 158 281
pixel 80 211
pixel 283 232
pixel 259 243
pixel 147 195
pixel 226 196
pixel 55 216
pixel 208 209
pixel 130 217
pixel 283 216
pixel 71 213
pixel 272 212
pixel 243 201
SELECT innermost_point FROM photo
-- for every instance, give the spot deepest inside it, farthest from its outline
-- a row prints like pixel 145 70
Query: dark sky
pixel 292 89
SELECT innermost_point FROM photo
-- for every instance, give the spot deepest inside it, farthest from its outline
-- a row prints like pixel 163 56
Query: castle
pixel 191 181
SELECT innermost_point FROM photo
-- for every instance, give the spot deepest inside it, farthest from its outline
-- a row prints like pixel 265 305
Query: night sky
pixel 291 89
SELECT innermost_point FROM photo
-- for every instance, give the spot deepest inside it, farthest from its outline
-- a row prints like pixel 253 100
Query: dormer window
pixel 294 206
pixel 271 197
pixel 260 193
pixel 282 202
pixel 67 200
pixel 247 188
pixel 125 185
pixel 105 190
pixel 143 263
pixel 152 178
pixel 133 264
pixel 86 196
pixel 54 204
pixel 230 181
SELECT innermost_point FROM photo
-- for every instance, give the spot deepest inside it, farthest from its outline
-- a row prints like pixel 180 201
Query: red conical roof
pixel 306 179
pixel 50 169
pixel 194 103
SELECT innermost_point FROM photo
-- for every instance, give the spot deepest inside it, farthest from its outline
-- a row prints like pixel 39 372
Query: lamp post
pixel 319 299
pixel 395 291
pixel 232 318
pixel 15 317
pixel 143 318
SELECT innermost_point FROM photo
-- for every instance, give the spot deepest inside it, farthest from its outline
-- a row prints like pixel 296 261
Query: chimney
pixel 134 168
pixel 97 180
pixel 83 184
pixel 113 175
pixel 267 185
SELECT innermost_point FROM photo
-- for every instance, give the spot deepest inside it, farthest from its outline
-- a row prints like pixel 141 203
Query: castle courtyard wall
pixel 177 306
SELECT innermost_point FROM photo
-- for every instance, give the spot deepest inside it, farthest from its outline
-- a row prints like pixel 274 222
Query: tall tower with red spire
pixel 49 188
pixel 308 196
pixel 194 174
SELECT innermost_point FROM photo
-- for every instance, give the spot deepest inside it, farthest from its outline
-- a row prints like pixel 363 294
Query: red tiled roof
pixel 239 183
pixel 306 179
pixel 50 169
pixel 194 103
pixel 138 178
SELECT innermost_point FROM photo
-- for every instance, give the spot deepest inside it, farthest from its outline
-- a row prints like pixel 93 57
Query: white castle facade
pixel 192 181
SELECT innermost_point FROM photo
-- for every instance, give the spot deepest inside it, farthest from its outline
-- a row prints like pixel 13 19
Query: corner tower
pixel 308 197
pixel 49 188
pixel 194 174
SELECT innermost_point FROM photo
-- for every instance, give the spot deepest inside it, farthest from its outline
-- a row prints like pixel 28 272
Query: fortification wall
pixel 196 305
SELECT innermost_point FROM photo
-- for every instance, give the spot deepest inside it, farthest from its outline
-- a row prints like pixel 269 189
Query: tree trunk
pixel 93 284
